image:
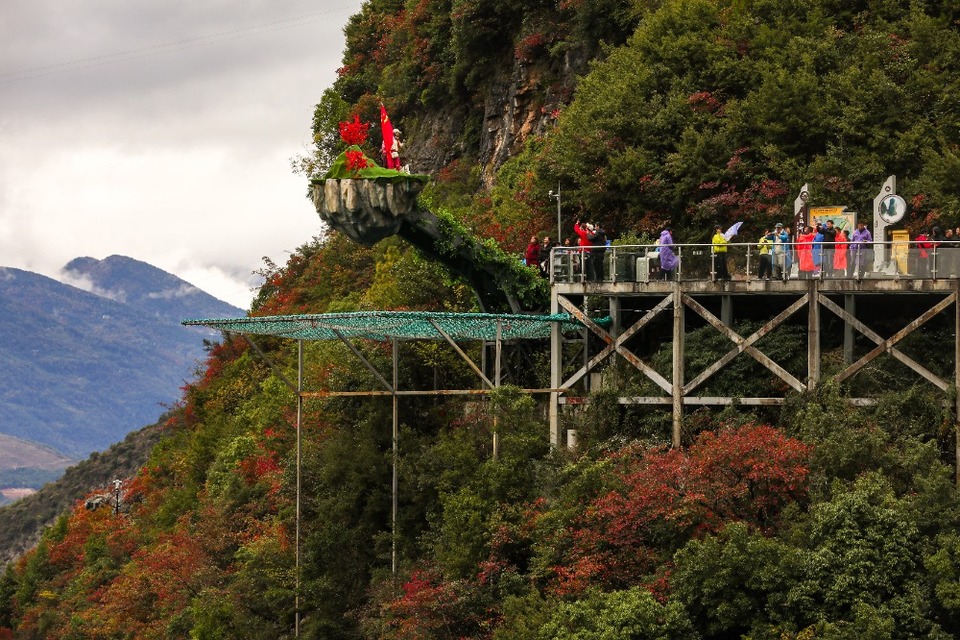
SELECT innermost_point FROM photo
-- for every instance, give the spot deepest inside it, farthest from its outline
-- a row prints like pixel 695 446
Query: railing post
pixel 749 272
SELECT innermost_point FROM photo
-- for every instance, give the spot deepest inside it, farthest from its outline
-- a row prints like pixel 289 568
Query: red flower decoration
pixel 356 160
pixel 353 132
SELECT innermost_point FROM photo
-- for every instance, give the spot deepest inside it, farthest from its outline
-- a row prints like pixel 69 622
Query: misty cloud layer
pixel 162 131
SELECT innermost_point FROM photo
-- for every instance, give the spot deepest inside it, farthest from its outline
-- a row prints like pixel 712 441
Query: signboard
pixel 842 218
pixel 800 208
pixel 901 249
pixel 891 209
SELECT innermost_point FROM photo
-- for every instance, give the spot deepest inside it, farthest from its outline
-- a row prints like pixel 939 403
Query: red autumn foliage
pixel 666 497
pixel 529 46
pixel 704 101
pixel 431 607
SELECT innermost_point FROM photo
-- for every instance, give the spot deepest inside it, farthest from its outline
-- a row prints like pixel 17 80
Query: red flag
pixel 386 128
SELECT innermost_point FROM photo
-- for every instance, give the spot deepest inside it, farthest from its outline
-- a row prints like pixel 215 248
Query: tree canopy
pixel 820 520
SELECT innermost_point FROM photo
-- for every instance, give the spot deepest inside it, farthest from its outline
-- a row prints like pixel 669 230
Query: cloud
pixel 161 131
pixel 182 291
pixel 84 283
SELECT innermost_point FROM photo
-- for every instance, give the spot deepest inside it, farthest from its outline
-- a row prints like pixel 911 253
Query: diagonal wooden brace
pixel 617 344
pixel 888 344
pixel 745 345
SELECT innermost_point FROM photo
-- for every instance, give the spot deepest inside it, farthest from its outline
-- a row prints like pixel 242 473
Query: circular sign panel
pixel 892 209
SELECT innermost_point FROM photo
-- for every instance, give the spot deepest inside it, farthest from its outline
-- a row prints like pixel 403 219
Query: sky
pixel 162 130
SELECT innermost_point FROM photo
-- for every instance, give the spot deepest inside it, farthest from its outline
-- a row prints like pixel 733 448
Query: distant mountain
pixel 146 288
pixel 82 368
pixel 22 522
pixel 27 465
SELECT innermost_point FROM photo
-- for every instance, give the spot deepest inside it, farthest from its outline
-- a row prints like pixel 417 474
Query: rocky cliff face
pixel 521 101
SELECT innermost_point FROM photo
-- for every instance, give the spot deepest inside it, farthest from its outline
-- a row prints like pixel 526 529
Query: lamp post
pixel 556 194
pixel 116 496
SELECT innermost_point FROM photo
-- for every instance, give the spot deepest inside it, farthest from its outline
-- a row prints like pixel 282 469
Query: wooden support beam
pixel 617 344
pixel 734 337
pixel 742 345
pixel 678 353
pixel 813 337
pixel 888 344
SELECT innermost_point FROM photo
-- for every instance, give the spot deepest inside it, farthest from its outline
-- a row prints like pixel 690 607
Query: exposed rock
pixel 521 101
pixel 367 211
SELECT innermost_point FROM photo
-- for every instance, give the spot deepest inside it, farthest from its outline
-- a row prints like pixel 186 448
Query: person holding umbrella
pixel 719 250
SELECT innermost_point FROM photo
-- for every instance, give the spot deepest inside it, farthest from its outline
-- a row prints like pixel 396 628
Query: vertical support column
pixel 296 623
pixel 615 326
pixel 726 311
pixel 483 358
pixel 586 341
pixel 556 364
pixel 394 482
pixel 850 306
pixel 678 353
pixel 498 351
pixel 496 384
pixel 813 335
pixel 956 377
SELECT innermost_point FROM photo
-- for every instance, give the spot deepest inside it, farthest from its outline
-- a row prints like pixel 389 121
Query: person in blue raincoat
pixel 668 258
pixel 782 253
pixel 818 250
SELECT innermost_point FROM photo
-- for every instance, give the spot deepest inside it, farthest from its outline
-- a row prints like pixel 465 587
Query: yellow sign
pixel 842 219
pixel 901 249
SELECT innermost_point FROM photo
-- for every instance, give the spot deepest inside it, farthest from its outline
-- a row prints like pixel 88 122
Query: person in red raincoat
pixel 840 254
pixel 532 254
pixel 805 252
pixel 584 231
pixel 924 246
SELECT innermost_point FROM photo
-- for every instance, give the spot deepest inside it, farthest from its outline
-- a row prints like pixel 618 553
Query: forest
pixel 817 519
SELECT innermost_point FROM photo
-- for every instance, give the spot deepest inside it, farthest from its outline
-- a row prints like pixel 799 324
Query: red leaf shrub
pixel 748 474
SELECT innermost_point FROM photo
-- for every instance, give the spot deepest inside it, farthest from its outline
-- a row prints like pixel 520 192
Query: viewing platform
pixel 635 269
pixel 901 288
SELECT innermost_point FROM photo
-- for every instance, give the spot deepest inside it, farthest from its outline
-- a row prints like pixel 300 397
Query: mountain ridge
pixel 84 369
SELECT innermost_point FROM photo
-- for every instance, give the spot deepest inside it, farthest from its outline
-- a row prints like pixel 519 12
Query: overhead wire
pixel 168 47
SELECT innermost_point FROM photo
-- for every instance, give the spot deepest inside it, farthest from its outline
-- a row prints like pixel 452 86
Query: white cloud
pixel 161 131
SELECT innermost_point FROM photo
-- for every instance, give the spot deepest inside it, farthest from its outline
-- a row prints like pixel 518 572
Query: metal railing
pixel 924 260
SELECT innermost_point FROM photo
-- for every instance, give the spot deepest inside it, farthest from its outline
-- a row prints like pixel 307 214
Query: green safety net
pixel 405 325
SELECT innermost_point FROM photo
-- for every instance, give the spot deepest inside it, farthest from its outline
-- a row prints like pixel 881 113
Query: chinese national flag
pixel 386 128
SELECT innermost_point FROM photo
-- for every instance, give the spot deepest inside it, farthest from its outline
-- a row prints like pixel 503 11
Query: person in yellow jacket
pixel 720 255
pixel 765 245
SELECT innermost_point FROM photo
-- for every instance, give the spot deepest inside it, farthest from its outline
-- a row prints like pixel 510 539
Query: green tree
pixel 630 614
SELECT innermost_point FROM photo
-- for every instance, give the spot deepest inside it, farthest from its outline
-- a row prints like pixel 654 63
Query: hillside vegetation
pixel 817 520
